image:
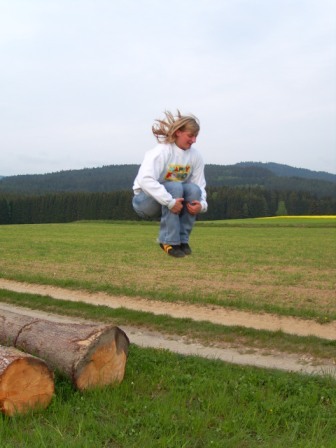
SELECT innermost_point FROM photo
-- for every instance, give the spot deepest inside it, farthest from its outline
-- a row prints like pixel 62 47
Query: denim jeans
pixel 174 229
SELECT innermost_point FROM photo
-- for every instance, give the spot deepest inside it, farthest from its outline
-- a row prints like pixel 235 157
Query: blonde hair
pixel 165 130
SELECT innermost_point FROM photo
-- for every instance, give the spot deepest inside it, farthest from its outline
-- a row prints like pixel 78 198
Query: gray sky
pixel 82 81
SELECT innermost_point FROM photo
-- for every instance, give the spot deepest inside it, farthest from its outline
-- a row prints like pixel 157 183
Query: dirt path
pixel 276 360
pixel 214 314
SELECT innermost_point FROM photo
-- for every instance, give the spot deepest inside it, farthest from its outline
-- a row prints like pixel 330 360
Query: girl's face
pixel 184 139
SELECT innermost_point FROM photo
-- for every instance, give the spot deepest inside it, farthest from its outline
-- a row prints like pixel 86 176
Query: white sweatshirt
pixel 168 162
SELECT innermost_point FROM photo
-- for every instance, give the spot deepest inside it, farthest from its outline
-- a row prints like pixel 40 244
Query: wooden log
pixel 90 354
pixel 26 382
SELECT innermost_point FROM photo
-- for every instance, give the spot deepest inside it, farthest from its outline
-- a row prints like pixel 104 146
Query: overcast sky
pixel 82 81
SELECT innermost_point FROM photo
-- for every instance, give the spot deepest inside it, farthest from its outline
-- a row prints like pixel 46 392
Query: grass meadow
pixel 285 266
pixel 281 265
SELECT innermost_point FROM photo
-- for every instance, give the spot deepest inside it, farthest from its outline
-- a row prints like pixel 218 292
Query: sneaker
pixel 174 251
pixel 186 248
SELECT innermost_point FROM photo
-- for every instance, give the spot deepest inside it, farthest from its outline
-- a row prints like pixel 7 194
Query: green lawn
pixel 171 401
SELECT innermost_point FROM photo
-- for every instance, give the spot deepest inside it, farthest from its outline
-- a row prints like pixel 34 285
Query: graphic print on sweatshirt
pixel 177 173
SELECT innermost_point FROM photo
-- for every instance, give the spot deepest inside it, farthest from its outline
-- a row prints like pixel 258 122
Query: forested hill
pixel 120 177
pixel 289 171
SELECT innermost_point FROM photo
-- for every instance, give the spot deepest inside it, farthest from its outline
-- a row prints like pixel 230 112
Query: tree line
pixel 224 203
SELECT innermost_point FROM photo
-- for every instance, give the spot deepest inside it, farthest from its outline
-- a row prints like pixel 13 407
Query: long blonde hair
pixel 165 130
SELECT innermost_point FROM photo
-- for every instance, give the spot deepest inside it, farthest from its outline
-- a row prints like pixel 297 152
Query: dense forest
pixel 224 203
pixel 245 190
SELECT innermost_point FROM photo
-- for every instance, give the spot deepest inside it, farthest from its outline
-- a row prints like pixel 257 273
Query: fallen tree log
pixel 26 382
pixel 90 354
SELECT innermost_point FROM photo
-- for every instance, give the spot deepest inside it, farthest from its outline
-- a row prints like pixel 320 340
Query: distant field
pixel 284 265
pixel 280 221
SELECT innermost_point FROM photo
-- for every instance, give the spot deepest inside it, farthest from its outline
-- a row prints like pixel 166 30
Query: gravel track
pixel 177 344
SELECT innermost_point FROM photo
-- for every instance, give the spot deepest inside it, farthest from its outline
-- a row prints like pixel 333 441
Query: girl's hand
pixel 178 206
pixel 194 207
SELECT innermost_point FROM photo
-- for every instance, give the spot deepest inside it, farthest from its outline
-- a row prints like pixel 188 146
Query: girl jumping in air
pixel 170 183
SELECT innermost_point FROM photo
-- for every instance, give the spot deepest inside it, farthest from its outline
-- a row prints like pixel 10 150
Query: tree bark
pixel 90 354
pixel 26 382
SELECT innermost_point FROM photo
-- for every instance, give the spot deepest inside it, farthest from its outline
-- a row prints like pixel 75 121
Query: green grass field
pixel 281 265
pixel 273 266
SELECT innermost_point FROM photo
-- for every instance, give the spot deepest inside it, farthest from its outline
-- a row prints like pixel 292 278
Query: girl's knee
pixel 192 190
pixel 174 188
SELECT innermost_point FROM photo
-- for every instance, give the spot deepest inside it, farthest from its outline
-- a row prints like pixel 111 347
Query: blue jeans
pixel 174 229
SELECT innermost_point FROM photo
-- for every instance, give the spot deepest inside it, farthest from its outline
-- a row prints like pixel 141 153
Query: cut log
pixel 90 354
pixel 26 382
